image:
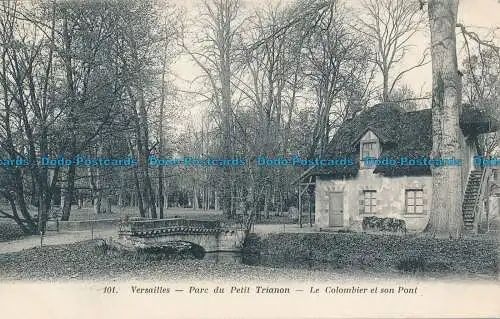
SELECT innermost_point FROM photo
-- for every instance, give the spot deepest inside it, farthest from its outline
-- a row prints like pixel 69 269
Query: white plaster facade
pixel 345 197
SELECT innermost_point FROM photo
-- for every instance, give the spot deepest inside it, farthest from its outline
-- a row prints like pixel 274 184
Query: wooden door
pixel 336 210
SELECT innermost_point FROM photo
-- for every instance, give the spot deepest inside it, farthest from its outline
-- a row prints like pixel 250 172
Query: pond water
pixel 188 249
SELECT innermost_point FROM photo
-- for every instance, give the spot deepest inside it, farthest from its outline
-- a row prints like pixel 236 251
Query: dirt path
pixel 281 228
pixel 53 238
pixel 69 237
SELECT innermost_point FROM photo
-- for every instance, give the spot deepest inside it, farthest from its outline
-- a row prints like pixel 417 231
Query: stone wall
pixel 390 198
pixel 230 240
pixel 156 233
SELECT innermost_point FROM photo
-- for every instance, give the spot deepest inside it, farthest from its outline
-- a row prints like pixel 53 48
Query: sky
pixel 480 16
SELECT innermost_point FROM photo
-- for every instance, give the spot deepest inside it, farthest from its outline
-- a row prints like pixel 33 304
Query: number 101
pixel 109 290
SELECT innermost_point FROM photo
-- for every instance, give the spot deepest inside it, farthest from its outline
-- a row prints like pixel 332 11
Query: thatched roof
pixel 401 134
pixel 477 121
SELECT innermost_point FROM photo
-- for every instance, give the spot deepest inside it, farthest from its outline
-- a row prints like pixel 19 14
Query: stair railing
pixel 485 174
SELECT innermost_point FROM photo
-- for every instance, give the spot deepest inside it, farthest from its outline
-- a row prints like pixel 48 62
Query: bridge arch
pixel 203 236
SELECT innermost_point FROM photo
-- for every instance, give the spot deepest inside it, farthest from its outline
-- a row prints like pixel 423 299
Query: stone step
pixel 469 204
pixel 469 193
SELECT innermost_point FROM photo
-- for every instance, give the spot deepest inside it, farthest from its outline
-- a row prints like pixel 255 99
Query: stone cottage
pixel 345 195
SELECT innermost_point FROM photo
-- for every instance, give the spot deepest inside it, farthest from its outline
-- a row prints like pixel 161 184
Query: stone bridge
pixel 210 235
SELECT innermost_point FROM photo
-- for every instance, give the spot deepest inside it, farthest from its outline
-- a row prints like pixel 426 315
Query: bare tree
pixel 216 56
pixel 338 72
pixel 28 109
pixel 391 24
pixel 481 84
pixel 408 99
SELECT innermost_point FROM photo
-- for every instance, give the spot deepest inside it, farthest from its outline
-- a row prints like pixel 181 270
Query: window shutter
pixel 377 208
pixel 361 206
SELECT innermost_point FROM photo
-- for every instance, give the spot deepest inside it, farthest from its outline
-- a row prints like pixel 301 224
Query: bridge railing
pixel 145 225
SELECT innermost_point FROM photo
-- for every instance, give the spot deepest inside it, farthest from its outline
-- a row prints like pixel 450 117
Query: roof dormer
pixel 369 146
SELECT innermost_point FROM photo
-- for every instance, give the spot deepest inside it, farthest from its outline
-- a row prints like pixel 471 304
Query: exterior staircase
pixel 471 198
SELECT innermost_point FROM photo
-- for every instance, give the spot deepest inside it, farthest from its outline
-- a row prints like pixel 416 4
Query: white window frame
pixel 373 150
pixel 370 202
pixel 414 198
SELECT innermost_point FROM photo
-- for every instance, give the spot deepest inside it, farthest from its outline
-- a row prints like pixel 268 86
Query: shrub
pixel 10 231
pixel 251 250
pixel 373 252
pixel 412 262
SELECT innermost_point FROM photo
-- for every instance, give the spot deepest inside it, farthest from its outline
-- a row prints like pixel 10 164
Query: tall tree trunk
pixel 121 195
pixel 446 216
pixel 68 195
pixel 216 201
pixel 72 100
pixel 138 195
pixel 109 204
pixel 267 198
pixel 33 192
pixel 161 198
pixel 165 194
pixel 99 192
pixel 195 197
pixel 385 93
pixel 97 203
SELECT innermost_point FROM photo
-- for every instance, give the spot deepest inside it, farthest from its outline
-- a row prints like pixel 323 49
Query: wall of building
pixel 391 201
pixel 390 198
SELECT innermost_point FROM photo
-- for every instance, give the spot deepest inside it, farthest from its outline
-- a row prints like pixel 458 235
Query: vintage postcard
pixel 249 159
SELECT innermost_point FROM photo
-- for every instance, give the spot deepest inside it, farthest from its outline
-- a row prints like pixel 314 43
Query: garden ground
pixel 277 251
pixel 89 260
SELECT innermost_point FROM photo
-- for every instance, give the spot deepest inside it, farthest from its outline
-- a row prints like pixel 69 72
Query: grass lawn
pixel 87 213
